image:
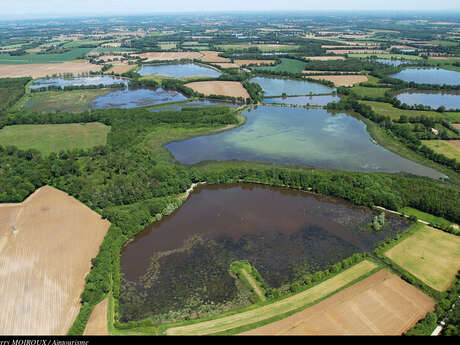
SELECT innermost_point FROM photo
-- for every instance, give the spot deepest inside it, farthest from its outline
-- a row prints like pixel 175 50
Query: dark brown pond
pixel 283 233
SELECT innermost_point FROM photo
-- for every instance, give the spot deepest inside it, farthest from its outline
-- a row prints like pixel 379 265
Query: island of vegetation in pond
pixel 278 87
pixel 61 83
pixel 132 97
pixel 313 137
pixel 179 70
pixel 178 268
pixel 436 76
pixel 433 99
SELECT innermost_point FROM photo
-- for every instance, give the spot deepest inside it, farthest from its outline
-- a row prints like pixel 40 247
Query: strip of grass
pixel 279 309
pixel 433 256
pixel 252 278
pixel 53 138
pixel 436 221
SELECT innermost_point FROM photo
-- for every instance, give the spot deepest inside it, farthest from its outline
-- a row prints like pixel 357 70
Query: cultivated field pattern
pixel 381 304
pixel 43 264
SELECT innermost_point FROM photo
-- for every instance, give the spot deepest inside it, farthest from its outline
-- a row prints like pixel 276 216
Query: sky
pixel 47 8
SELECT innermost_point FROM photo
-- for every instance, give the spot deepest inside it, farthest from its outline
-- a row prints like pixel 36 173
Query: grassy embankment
pixel 251 277
pixel 435 221
pixel 54 138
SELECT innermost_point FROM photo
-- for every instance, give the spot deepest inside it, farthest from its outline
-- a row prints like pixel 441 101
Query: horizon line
pixel 68 15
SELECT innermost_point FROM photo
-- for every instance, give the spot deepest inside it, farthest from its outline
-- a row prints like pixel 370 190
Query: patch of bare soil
pixel 225 88
pixel 382 304
pixel 48 243
pixel 46 69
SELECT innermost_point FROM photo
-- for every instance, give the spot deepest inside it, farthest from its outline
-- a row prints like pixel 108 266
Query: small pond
pixel 278 86
pixel 435 99
pixel 429 76
pixel 132 97
pixel 78 81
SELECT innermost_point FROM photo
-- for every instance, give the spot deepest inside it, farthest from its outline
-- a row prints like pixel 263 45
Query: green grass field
pixel 363 91
pixel 289 304
pixel 437 221
pixel 286 65
pixel 74 54
pixel 433 256
pixel 70 101
pixel 387 109
pixel 445 147
pixel 53 138
pixel 372 80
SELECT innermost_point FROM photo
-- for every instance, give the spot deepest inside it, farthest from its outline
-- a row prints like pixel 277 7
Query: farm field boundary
pixel 252 318
pixel 382 304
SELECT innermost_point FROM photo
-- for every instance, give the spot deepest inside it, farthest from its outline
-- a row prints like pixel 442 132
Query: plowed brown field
pixel 121 68
pixel 43 265
pixel 212 56
pixel 382 304
pixel 226 88
pixel 42 70
pixel 97 323
pixel 341 80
